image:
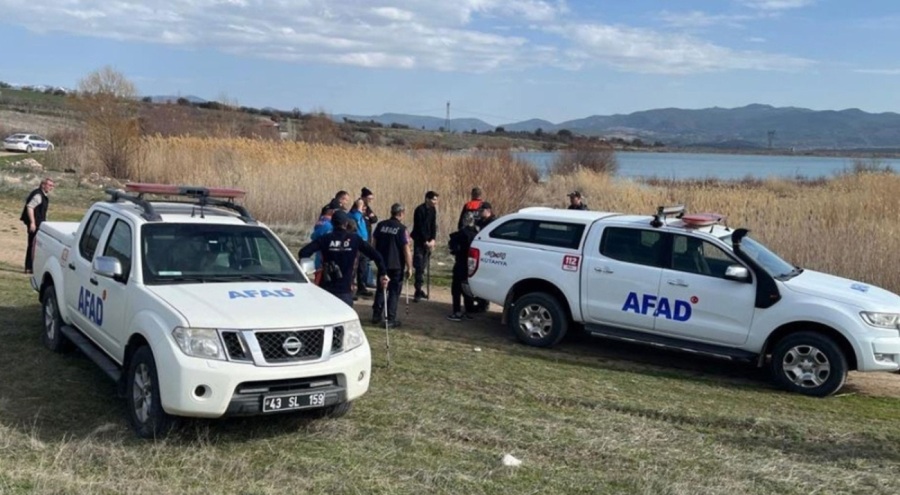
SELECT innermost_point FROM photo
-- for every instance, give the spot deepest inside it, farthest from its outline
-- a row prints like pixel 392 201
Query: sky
pixel 502 61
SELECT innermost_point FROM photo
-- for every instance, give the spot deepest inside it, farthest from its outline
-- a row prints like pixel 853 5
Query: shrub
pixel 590 156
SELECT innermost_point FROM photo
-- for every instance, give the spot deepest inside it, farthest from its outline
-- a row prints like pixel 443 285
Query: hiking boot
pixel 377 320
pixel 455 317
pixel 420 295
pixel 468 316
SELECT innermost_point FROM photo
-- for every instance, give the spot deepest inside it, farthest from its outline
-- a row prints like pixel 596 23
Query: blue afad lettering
pixel 91 306
pixel 252 294
pixel 661 306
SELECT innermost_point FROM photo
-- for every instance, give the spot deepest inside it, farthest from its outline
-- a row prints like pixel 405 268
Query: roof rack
pixel 204 196
pixel 662 212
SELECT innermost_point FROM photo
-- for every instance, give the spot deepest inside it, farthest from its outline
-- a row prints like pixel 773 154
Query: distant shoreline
pixel 861 154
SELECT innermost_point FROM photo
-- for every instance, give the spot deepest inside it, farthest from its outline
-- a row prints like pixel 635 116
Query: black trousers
pixel 393 295
pixel 362 272
pixel 460 275
pixel 420 263
pixel 29 254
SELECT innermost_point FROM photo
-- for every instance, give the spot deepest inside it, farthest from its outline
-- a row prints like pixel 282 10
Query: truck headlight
pixel 353 335
pixel 199 342
pixel 881 320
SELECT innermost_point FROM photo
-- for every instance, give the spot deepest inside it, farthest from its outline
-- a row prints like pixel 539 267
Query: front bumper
pixel 882 354
pixel 230 388
pixel 15 146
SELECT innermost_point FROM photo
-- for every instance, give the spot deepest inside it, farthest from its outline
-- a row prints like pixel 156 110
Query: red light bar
pixel 209 192
pixel 702 219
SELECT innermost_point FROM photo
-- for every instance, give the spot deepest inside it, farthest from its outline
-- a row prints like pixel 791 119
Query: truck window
pixel 119 246
pixel 90 238
pixel 639 246
pixel 556 234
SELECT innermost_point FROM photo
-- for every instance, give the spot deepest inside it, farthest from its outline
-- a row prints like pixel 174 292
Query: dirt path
pixel 429 318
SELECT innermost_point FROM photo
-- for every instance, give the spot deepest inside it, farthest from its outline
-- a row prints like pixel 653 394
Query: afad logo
pixel 91 306
pixel 252 294
pixel 678 311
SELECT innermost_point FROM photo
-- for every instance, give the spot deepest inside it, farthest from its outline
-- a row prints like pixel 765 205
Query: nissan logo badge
pixel 292 346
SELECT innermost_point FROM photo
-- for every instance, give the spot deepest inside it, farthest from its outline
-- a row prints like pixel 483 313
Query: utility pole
pixel 771 137
pixel 447 120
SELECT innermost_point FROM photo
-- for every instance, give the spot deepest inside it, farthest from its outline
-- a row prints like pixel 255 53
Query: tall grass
pixel 289 182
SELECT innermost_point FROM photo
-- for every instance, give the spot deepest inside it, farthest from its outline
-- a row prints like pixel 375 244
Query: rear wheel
pixel 145 412
pixel 28 149
pixel 52 336
pixel 809 363
pixel 538 319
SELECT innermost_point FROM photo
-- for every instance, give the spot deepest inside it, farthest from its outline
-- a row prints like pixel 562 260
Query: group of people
pixel 348 234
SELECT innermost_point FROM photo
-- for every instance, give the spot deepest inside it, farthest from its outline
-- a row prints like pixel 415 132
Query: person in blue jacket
pixel 357 214
pixel 339 250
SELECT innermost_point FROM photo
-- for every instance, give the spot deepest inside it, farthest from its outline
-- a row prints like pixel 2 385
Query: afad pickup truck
pixel 684 282
pixel 195 309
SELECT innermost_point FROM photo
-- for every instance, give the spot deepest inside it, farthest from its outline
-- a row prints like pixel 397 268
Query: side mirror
pixel 308 265
pixel 737 273
pixel 108 266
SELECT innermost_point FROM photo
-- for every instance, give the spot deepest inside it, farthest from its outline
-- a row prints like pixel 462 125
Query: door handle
pixel 93 281
pixel 677 283
pixel 71 266
pixel 602 269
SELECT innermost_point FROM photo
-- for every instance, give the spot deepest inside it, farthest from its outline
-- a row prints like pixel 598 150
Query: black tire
pixel 52 336
pixel 28 149
pixel 538 319
pixel 334 411
pixel 809 363
pixel 145 412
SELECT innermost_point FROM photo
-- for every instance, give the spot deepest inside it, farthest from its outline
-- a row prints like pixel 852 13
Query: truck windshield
pixel 192 253
pixel 770 261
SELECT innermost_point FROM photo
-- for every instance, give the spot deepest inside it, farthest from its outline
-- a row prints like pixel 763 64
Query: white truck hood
pixel 843 290
pixel 254 305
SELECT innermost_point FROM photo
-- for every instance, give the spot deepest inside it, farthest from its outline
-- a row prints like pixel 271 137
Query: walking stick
pixel 428 274
pixel 406 289
pixel 387 330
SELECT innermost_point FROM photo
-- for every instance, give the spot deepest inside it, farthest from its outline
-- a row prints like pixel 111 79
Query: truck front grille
pixel 337 340
pixel 290 346
pixel 235 347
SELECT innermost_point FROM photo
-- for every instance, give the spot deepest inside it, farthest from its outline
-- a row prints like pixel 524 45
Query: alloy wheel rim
pixel 142 392
pixel 806 366
pixel 50 318
pixel 535 321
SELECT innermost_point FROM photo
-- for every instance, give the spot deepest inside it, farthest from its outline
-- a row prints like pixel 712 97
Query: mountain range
pixel 748 126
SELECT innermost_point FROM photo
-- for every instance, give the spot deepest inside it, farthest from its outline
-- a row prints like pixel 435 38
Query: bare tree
pixel 107 102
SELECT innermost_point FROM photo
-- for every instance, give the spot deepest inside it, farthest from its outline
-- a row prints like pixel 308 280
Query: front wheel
pixel 809 363
pixel 52 337
pixel 538 319
pixel 28 149
pixel 145 412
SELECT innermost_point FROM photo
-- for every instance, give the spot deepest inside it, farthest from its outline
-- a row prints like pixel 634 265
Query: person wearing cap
pixel 339 250
pixel 391 240
pixel 576 201
pixel 423 235
pixel 485 215
pixel 472 208
pixel 368 198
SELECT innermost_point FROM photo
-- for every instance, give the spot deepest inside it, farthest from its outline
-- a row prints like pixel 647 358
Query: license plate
pixel 293 401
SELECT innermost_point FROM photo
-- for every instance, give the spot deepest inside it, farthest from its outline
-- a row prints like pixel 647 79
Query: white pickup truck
pixel 685 282
pixel 195 309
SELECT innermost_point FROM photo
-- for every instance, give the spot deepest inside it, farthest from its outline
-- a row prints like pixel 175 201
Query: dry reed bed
pixel 844 226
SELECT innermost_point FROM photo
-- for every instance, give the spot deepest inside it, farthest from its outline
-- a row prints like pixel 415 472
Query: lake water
pixel 717 165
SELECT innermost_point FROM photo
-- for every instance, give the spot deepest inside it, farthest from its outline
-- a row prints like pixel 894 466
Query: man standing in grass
pixel 576 201
pixel 392 243
pixel 423 234
pixel 34 213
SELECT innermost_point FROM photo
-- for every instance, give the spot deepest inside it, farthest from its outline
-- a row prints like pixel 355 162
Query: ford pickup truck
pixel 686 282
pixel 195 309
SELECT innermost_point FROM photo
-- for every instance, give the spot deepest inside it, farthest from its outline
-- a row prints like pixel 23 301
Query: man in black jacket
pixel 423 234
pixel 576 201
pixel 339 250
pixel 392 241
pixel 460 241
pixel 34 213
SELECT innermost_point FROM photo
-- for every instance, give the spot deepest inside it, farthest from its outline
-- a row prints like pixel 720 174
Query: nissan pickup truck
pixel 195 309
pixel 685 282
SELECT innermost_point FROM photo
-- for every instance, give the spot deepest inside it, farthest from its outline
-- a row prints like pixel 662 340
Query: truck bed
pixel 64 232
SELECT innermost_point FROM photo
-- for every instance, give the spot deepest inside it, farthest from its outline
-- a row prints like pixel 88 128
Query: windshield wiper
pixel 793 273
pixel 179 279
pixel 256 277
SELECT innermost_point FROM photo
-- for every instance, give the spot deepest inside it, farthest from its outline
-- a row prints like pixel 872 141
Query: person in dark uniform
pixel 459 244
pixel 392 241
pixel 576 201
pixel 485 215
pixel 34 213
pixel 340 249
pixel 423 234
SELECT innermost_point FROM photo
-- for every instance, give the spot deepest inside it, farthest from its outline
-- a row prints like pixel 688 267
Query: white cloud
pixel 642 50
pixel 698 19
pixel 882 72
pixel 462 35
pixel 776 5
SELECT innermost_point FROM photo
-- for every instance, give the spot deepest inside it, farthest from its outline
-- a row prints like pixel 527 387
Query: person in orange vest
pixel 472 209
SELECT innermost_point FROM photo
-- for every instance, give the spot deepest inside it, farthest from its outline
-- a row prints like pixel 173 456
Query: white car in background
pixel 27 143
